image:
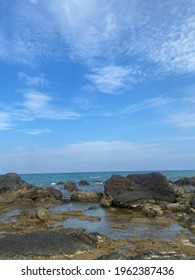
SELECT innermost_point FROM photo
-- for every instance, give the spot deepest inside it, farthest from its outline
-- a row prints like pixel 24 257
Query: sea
pixel 45 180
pixel 137 226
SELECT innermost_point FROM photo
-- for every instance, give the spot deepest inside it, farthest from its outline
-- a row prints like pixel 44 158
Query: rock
pixel 135 190
pixel 86 196
pixel 11 182
pixel 119 226
pixel 192 202
pixel 71 186
pixel 83 183
pixel 152 210
pixel 63 244
pixel 106 201
pixel 42 214
pixel 177 207
pixel 180 192
pixel 186 181
pixel 15 190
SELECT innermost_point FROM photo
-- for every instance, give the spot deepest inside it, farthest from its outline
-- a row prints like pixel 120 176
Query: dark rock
pixel 186 181
pixel 135 190
pixel 83 183
pixel 13 189
pixel 60 183
pixel 11 182
pixel 53 244
pixel 192 202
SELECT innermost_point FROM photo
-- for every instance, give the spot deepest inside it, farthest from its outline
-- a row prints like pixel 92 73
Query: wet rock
pixel 83 183
pixel 106 201
pixel 94 207
pixel 152 210
pixel 86 196
pixel 135 190
pixel 119 226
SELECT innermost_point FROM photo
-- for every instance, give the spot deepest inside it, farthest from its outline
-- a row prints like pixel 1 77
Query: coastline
pixel 100 233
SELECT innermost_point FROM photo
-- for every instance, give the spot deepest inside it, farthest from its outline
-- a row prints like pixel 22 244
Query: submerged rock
pixel 135 190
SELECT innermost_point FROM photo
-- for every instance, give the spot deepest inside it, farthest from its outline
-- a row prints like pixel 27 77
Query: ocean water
pixel 110 216
pixel 50 179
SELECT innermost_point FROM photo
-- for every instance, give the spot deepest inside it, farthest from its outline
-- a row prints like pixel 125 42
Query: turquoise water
pixel 49 179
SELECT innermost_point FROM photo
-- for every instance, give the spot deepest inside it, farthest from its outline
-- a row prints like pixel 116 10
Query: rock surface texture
pixel 134 190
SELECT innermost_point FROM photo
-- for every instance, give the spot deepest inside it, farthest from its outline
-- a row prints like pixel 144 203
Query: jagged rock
pixel 137 189
pixel 86 196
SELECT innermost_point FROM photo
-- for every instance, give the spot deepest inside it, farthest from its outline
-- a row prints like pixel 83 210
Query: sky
pixel 97 85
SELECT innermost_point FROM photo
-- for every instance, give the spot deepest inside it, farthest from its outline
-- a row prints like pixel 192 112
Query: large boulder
pixel 15 190
pixel 137 189
pixel 11 182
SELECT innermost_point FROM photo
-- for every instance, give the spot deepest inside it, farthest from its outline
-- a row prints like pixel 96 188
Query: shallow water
pixel 111 216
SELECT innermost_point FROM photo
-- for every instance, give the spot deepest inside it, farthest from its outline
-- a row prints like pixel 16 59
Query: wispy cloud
pixel 34 105
pixel 113 78
pixel 36 81
pixel 36 132
pixel 151 103
pixel 103 34
pixel 5 121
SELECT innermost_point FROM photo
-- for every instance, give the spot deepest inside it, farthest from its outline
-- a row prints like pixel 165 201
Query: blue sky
pixel 97 85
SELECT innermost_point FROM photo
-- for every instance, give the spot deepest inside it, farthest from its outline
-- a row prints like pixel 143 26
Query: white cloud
pixel 151 103
pixel 5 121
pixel 34 105
pixel 35 132
pixel 113 79
pixel 40 105
pixel 103 34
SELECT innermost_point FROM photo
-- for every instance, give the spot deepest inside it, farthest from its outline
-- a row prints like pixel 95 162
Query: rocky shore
pixel 36 231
